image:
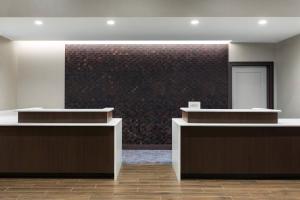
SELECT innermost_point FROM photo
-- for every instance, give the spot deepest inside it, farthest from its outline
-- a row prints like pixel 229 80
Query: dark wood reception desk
pixel 236 150
pixel 229 115
pixel 55 149
pixel 37 115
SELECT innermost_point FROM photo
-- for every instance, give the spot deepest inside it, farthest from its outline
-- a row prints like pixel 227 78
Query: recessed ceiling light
pixel 194 22
pixel 38 22
pixel 262 22
pixel 110 22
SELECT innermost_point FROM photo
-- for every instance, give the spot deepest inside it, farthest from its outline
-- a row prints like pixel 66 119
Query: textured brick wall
pixel 147 84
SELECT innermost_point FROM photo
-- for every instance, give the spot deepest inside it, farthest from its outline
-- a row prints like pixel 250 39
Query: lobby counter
pixel 192 115
pixel 59 149
pixel 236 150
pixel 39 115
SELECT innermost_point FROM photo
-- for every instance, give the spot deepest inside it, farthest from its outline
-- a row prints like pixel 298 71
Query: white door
pixel 249 87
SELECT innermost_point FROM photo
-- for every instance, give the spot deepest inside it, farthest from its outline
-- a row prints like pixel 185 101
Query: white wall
pixel 41 74
pixel 288 62
pixel 255 52
pixel 7 75
pixel 239 52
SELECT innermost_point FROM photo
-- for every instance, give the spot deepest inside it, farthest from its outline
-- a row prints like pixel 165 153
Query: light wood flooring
pixel 147 182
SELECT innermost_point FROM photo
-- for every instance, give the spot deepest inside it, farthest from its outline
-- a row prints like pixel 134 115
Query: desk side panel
pixel 117 149
pixel 176 154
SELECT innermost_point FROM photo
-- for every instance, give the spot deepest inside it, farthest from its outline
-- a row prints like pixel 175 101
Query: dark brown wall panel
pixel 56 150
pixel 244 152
pixel 230 117
pixel 147 84
pixel 64 117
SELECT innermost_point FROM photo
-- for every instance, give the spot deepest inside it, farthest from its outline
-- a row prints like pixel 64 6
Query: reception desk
pixel 39 115
pixel 236 150
pixel 56 143
pixel 230 115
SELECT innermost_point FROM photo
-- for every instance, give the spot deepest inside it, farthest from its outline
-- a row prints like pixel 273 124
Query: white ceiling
pixel 149 8
pixel 235 29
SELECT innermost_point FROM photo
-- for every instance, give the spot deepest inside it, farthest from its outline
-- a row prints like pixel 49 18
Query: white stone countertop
pixel 10 122
pixel 293 122
pixel 230 110
pixel 64 110
pixel 10 118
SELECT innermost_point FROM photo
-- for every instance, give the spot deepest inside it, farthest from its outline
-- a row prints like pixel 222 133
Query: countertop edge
pixel 64 110
pixel 231 110
pixel 281 123
pixel 112 123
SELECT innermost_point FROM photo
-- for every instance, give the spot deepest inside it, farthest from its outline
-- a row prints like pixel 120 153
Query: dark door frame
pixel 270 80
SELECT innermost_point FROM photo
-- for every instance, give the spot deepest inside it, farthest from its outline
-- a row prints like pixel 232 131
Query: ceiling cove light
pixel 150 42
pixel 194 22
pixel 38 22
pixel 110 22
pixel 262 22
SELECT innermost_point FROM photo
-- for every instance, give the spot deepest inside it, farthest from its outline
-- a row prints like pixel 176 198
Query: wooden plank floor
pixel 149 182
